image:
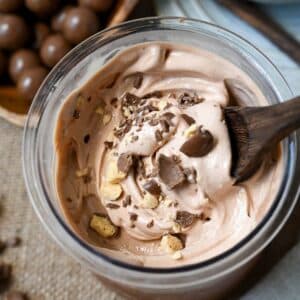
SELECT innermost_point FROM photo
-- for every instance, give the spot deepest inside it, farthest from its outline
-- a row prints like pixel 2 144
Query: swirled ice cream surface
pixel 144 157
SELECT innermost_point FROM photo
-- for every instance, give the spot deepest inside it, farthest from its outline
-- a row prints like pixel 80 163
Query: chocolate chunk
pixel 189 120
pixel 108 144
pixel 125 162
pixel 155 94
pixel 158 135
pixel 130 99
pixel 79 24
pixel 199 144
pixel 133 216
pixel 86 138
pixel 184 218
pixel 152 187
pixel 126 201
pixel 168 115
pixel 112 206
pixel 170 172
pixel 150 224
pixel 15 295
pixel 87 178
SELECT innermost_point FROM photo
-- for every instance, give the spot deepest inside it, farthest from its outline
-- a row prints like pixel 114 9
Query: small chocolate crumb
pixel 158 135
pixel 189 120
pixel 153 122
pixel 86 138
pixel 165 126
pixel 126 201
pixel 168 115
pixel 2 246
pixel 199 144
pixel 5 272
pixel 108 144
pixel 87 178
pixel 130 99
pixel 189 100
pixel 113 101
pixel 170 172
pixel 132 225
pixel 76 114
pixel 150 224
pixel 135 206
pixel 112 205
pixel 133 216
pixel 125 162
pixel 15 295
pixel 152 187
pixel 89 98
pixel 184 218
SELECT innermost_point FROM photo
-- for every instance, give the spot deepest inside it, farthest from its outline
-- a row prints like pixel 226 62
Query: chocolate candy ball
pixel 53 49
pixel 30 81
pixel 14 32
pixel 59 19
pixel 42 7
pixel 9 6
pixel 96 5
pixel 79 24
pixel 3 63
pixel 41 31
pixel 22 60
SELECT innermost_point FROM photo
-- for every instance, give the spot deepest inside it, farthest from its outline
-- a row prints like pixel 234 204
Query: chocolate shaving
pixel 189 120
pixel 152 187
pixel 199 144
pixel 168 115
pixel 189 100
pixel 184 218
pixel 158 135
pixel 76 114
pixel 108 144
pixel 130 99
pixel 137 80
pixel 126 201
pixel 86 138
pixel 155 94
pixel 153 122
pixel 112 205
pixel 165 126
pixel 170 172
pixel 113 101
pixel 150 224
pixel 125 162
pixel 133 216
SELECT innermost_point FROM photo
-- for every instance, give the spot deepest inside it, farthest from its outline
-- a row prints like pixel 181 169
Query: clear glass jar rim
pixel 30 172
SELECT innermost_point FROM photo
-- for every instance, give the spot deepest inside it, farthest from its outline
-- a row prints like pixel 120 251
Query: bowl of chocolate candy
pixel 36 34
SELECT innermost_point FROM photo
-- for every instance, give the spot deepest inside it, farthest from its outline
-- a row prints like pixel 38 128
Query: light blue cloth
pixel 283 281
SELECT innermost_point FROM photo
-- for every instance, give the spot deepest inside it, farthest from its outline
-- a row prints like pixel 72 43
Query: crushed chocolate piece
pixel 13 242
pixel 191 175
pixel 76 114
pixel 155 94
pixel 153 122
pixel 132 225
pixel 134 138
pixel 184 218
pixel 133 216
pixel 108 144
pixel 186 99
pixel 165 126
pixel 126 201
pixel 113 101
pixel 5 273
pixel 2 246
pixel 167 53
pixel 125 162
pixel 112 205
pixel 150 224
pixel 200 144
pixel 168 115
pixel 152 187
pixel 124 127
pixel 130 99
pixel 189 120
pixel 137 80
pixel 135 206
pixel 170 172
pixel 15 295
pixel 86 138
pixel 89 98
pixel 158 135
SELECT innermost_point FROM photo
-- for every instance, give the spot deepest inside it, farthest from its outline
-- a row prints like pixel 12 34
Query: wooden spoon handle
pixel 273 123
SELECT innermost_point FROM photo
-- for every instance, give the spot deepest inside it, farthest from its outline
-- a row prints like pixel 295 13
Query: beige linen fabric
pixel 41 268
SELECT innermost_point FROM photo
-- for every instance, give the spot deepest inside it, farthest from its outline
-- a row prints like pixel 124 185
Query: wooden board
pixel 14 108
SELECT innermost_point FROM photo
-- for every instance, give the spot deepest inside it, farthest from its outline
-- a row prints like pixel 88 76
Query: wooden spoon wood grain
pixel 255 131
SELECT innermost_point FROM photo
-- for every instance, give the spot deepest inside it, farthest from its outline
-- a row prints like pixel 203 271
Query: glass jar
pixel 206 279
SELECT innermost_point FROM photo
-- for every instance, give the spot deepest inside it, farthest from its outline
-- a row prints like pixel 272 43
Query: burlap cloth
pixel 41 268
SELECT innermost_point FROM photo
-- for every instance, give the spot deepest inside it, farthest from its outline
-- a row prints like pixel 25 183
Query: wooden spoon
pixel 255 131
